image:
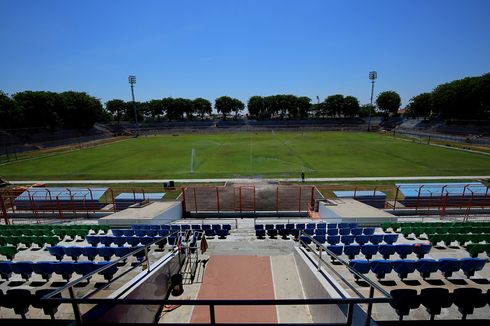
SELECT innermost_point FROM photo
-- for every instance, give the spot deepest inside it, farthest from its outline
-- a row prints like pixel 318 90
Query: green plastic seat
pixel 8 251
pixel 104 228
pixel 60 233
pixel 447 239
pixel 13 240
pixel 39 241
pixel 52 240
pixel 38 232
pixel 406 231
pixel 2 241
pixel 26 240
pixel 474 249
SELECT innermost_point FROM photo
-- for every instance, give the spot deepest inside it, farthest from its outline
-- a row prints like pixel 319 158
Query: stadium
pixel 263 208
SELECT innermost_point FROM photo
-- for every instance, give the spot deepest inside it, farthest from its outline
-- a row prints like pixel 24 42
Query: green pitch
pixel 266 154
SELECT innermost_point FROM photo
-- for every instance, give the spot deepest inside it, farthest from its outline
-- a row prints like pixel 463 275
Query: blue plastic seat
pixel 336 249
pixel 260 234
pixel 356 231
pixel 196 227
pixel 309 231
pixel 184 227
pixel 215 227
pixel 295 233
pixel 6 269
pixel 57 251
pixel 305 239
pixel 133 241
pixel 89 252
pixel 347 239
pixel 344 231
pixel 332 231
pixel 135 226
pixel 426 267
pixel 172 240
pixel 353 225
pixel 106 241
pixel 381 267
pixel 390 238
pixel 311 225
pixel 269 226
pixel 333 239
pixel 73 252
pixel 117 233
pixel 360 266
pixel 368 231
pixel 106 252
pixel 290 226
pixel 386 250
pixel 404 267
pixel 472 265
pixel 176 227
pixel 153 227
pixel 332 226
pixel 284 233
pixel 146 240
pixel 368 250
pixel 43 268
pixel 109 272
pixel 449 265
pixel 163 233
pixel 321 225
pixel 19 300
pixel 141 232
pixel 210 233
pixel 65 269
pixel 352 250
pixel 226 227
pixel 222 233
pixel 92 240
pixel 319 238
pixel 376 238
pixel 128 232
pixel 403 301
pixel 167 227
pixel 259 226
pixel 280 226
pixel 122 251
pixel 272 233
pixel 119 241
pixel 84 268
pixel 206 226
pixel 151 233
pixel 343 226
pixel 300 226
pixel 24 268
pixel 321 232
pixel 404 249
pixel 362 239
pixel 421 249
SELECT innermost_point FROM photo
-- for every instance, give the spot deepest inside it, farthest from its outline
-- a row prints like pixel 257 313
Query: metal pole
pixel 371 107
pixel 134 109
pixel 76 309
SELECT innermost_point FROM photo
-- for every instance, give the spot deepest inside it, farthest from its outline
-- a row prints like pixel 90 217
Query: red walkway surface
pixel 237 277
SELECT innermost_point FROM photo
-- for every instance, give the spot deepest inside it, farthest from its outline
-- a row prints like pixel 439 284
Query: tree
pixel 366 109
pixel 389 102
pixel 202 107
pixel 304 106
pixel 80 110
pixel 9 115
pixel 225 105
pixel 351 106
pixel 184 105
pixel 156 109
pixel 39 109
pixel 420 105
pixel 256 107
pixel 334 104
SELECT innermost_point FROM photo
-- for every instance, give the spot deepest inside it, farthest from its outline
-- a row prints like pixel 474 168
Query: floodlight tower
pixel 372 76
pixel 132 81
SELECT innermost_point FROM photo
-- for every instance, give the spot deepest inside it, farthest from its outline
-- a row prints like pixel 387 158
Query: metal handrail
pixel 352 270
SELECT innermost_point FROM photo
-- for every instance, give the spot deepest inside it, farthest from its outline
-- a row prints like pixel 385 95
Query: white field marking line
pixel 223 180
pixel 274 288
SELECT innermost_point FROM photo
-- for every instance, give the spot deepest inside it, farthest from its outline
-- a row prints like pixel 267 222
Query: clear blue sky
pixel 241 48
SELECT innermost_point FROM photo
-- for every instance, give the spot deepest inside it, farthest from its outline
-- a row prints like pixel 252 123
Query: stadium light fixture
pixel 132 81
pixel 373 75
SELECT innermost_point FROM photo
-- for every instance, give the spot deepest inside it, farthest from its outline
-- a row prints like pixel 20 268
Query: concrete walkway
pixel 252 180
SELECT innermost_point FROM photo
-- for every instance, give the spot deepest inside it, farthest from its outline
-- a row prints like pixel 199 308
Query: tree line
pixel 467 98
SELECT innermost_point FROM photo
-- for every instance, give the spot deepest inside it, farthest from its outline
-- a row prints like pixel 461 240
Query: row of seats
pixel 418 231
pixel 94 227
pixel 47 268
pixel 447 266
pixel 91 252
pixel 28 241
pixel 20 301
pixel 8 251
pixel 45 232
pixel 434 299
pixel 474 249
pixel 374 239
pixel 177 227
pixel 386 250
pixel 302 226
pixel 139 232
pixel 461 238
pixel 395 226
pixel 121 241
pixel 220 233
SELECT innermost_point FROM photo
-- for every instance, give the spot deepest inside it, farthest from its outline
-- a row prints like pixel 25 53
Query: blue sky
pixel 241 48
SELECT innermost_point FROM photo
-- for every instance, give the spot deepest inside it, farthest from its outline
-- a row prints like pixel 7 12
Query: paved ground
pixel 243 180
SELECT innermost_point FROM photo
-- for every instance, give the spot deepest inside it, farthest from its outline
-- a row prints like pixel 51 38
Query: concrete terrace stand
pixel 151 213
pixel 351 210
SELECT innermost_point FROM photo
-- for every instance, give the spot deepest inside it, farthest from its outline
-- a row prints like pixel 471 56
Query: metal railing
pixel 211 304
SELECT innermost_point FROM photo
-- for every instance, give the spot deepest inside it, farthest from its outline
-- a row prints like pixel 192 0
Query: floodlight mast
pixel 132 81
pixel 372 76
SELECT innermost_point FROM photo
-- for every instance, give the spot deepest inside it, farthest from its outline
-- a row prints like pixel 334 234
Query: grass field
pixel 279 154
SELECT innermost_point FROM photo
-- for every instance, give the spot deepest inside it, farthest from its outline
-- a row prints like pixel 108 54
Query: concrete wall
pixel 325 213
pixel 316 287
